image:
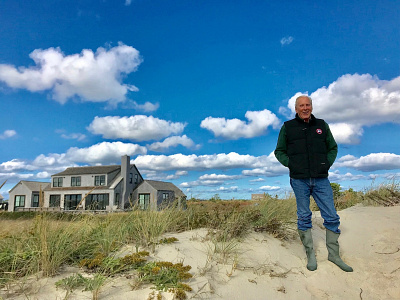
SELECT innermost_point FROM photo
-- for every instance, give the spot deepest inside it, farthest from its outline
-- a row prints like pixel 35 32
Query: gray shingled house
pixel 103 188
pixel 90 188
pixel 25 195
pixel 94 188
pixel 153 195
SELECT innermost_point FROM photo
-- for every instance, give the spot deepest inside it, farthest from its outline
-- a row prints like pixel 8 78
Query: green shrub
pixel 166 276
pixel 112 265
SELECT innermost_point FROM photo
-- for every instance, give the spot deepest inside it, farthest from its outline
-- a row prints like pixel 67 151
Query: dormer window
pixel 76 181
pixel 100 180
pixel 57 181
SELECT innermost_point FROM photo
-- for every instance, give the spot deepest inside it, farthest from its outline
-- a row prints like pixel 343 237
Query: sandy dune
pixel 262 267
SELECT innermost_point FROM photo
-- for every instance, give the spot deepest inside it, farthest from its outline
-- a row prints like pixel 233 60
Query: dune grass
pixel 385 194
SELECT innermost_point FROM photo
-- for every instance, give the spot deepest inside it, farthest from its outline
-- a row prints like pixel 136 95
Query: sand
pixel 263 267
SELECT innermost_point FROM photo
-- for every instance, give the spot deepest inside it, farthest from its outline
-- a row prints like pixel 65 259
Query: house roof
pixel 89 170
pixel 36 186
pixel 165 186
pixel 33 185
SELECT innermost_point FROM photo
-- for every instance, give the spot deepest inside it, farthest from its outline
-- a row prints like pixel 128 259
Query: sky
pixel 195 92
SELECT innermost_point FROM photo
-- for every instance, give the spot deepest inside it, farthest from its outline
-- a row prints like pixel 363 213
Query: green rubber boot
pixel 333 249
pixel 306 239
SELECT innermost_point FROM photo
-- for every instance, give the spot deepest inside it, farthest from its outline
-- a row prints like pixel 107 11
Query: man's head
pixel 303 107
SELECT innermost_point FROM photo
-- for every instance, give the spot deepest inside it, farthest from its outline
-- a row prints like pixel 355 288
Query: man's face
pixel 304 108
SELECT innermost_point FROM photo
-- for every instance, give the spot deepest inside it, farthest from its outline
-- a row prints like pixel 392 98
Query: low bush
pixel 166 276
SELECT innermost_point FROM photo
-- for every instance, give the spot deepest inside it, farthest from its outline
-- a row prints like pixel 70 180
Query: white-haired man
pixel 307 147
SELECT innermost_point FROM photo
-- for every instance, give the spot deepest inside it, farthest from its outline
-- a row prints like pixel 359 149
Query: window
pixel 136 178
pixel 96 202
pixel 57 181
pixel 116 199
pixel 130 177
pixel 35 200
pixel 71 201
pixel 76 181
pixel 19 201
pixel 165 196
pixel 144 201
pixel 54 201
pixel 100 180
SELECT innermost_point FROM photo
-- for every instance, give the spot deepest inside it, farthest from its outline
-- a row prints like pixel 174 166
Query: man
pixel 306 146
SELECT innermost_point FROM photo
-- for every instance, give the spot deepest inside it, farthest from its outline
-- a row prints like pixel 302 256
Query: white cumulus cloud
pixel 336 176
pixel 138 128
pixel 146 107
pixel 177 175
pixel 172 141
pixel 92 76
pixel 210 180
pixel 269 188
pixel 346 133
pixel 370 162
pixel 103 152
pixel 233 129
pixel 14 165
pixel 270 167
pixel 15 177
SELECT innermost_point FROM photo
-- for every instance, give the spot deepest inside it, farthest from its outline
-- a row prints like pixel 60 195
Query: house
pixel 94 188
pixel 153 195
pixel 257 196
pixel 26 195
pixel 103 188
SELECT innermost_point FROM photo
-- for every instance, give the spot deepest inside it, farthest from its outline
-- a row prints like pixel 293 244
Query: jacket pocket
pixel 323 167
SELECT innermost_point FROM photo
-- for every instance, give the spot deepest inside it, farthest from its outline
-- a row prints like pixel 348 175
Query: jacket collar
pixel 311 120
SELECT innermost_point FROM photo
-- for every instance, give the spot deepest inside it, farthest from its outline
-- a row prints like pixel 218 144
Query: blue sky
pixel 196 91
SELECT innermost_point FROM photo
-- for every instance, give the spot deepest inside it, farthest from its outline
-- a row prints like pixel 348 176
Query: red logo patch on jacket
pixel 319 131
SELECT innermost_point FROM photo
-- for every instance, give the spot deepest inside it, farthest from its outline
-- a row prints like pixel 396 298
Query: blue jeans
pixel 321 191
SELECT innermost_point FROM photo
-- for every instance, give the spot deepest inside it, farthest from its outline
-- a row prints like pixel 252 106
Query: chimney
pixel 125 168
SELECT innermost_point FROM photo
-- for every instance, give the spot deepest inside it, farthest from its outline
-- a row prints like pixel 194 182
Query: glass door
pixel 144 201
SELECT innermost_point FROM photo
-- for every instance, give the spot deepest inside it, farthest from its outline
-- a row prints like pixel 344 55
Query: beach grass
pixel 385 194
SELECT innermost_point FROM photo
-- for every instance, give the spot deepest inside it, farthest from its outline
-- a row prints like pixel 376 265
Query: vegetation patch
pixel 167 276
pixel 169 240
pixel 110 265
pixel 92 284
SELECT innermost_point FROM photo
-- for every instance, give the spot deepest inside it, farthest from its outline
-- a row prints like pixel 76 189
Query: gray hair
pixel 302 96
